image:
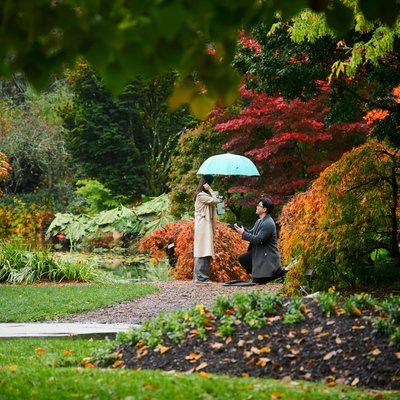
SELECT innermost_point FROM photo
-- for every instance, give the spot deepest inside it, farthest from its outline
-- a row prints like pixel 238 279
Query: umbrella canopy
pixel 228 164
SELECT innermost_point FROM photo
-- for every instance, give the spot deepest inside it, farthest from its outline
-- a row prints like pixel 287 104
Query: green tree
pixel 97 137
pixel 125 142
pixel 160 127
pixel 32 137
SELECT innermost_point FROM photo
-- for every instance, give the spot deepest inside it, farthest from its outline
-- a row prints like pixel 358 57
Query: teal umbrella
pixel 228 164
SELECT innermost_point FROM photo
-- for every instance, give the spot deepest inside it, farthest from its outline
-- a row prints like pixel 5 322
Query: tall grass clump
pixel 21 264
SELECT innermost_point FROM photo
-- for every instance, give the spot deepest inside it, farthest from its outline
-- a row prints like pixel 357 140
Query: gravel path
pixel 172 295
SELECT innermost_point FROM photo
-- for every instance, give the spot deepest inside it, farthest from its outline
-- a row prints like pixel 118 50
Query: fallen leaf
pixel 338 340
pixel 117 363
pixel 255 350
pixel 397 355
pixel 90 365
pixel 304 331
pixel 318 330
pixel 356 311
pixel 250 361
pixel 67 352
pixel 190 371
pixel 201 366
pixel 229 360
pixel 265 350
pixel 356 327
pixel 247 354
pixel 40 351
pixel 262 362
pixel 340 311
pixel 193 333
pixel 323 334
pixel 375 351
pixel 228 340
pixel 164 349
pixel 193 357
pixel 203 374
pixel 276 395
pixel 355 382
pixel 295 351
pixel 264 336
pixel 216 345
pixel 332 384
pixel 150 386
pixel 329 355
pixel 241 343
pixel 12 368
pixel 330 323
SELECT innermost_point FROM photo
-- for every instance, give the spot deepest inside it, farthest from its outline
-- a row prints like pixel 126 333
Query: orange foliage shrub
pixel 346 214
pixel 227 245
pixel 22 221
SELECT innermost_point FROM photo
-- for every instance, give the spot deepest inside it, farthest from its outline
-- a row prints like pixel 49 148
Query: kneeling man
pixel 262 258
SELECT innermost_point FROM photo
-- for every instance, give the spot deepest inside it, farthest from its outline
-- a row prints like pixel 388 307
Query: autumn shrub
pixel 20 220
pixel 347 215
pixel 227 245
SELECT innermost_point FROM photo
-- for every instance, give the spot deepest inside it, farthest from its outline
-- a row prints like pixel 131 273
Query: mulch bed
pixel 338 349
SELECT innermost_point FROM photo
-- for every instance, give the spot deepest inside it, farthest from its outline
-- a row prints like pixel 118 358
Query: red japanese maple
pixel 288 140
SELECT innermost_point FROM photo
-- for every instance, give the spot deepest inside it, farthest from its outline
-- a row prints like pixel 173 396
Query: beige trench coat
pixel 205 216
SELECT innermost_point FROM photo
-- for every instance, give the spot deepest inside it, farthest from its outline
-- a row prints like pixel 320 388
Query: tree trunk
pixel 394 234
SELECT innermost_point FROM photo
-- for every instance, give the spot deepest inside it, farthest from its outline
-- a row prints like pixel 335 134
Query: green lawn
pixel 32 369
pixel 37 303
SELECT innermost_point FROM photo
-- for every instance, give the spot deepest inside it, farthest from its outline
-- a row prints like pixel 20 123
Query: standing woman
pixel 205 217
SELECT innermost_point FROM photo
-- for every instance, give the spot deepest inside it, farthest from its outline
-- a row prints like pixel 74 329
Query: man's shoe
pixel 283 276
pixel 202 282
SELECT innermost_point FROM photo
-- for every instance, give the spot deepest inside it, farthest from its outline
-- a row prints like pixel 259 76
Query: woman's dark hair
pixel 203 180
pixel 267 203
pixel 209 179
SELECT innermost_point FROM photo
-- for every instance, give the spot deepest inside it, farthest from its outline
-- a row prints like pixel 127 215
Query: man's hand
pixel 238 228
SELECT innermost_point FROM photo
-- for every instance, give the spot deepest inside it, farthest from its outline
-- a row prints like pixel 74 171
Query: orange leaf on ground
pixel 375 352
pixel 117 363
pixel 265 350
pixel 262 362
pixel 356 311
pixel 193 357
pixel 67 352
pixel 216 345
pixel 203 374
pixel 12 368
pixel 355 382
pixel 329 355
pixel 201 366
pixel 164 349
pixel 40 351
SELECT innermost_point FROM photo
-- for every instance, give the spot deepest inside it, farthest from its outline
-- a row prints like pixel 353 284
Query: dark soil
pixel 339 349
